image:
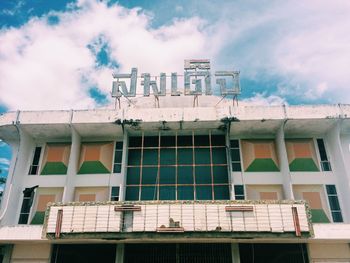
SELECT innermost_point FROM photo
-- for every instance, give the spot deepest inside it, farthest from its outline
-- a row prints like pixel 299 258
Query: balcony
pixel 178 219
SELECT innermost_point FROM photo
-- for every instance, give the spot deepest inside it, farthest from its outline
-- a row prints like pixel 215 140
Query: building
pixel 159 180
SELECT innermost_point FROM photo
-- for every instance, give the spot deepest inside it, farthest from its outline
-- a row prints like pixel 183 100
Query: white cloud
pixel 46 66
pixel 264 100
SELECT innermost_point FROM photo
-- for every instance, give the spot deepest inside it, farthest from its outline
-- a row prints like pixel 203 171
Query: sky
pixel 61 54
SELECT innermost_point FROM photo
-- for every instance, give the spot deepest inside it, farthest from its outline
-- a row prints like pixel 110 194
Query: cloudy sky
pixel 60 54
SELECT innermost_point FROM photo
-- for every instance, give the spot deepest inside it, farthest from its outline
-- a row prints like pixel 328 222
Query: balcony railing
pixel 241 219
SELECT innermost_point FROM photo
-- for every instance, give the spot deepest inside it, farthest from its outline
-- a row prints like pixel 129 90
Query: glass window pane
pixel 236 167
pixel 333 202
pixel 168 175
pixel 26 205
pixel 220 174
pixel 167 193
pixel 185 175
pixel 234 144
pixel 202 155
pixel 331 190
pixel 185 193
pixel 203 174
pixel 117 168
pixel 322 149
pixel 235 155
pixel 167 156
pixel 218 140
pixel 149 175
pixel 184 140
pixel 135 141
pixel 118 156
pixel 239 197
pixel 239 190
pixel 204 193
pixel 36 155
pixel 132 193
pixel 134 157
pixel 149 192
pixel 201 140
pixel 185 156
pixel 221 192
pixel 119 145
pixel 150 141
pixel 326 166
pixel 219 155
pixel 115 191
pixel 150 157
pixel 23 219
pixel 133 176
pixel 337 217
pixel 167 141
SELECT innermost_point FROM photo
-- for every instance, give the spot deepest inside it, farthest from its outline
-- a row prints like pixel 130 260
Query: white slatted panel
pixel 114 220
pixel 287 217
pixel 139 220
pixel 262 217
pixel 275 218
pixel 200 222
pixel 175 212
pixel 212 217
pixel 188 217
pixel 199 217
pixel 77 221
pixel 102 218
pixel 163 215
pixel 304 226
pixel 225 219
pixel 250 221
pixel 237 221
pixel 151 218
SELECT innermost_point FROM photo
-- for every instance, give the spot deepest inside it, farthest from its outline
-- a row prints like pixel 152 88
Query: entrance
pixel 177 253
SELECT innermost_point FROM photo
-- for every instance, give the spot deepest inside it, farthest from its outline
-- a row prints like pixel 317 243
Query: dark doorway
pixel 273 253
pixel 177 253
pixel 87 253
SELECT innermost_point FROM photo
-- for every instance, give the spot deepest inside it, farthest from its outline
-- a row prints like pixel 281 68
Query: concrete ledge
pixel 331 232
pixel 21 233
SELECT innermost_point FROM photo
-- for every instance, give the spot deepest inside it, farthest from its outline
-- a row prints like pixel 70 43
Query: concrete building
pixel 163 181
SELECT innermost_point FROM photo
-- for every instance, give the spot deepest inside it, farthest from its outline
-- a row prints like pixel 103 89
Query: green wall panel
pixel 303 165
pixel 262 165
pixel 93 167
pixel 38 218
pixel 319 216
pixel 54 168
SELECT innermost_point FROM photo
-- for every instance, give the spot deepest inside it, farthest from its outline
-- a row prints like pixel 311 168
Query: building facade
pixel 159 180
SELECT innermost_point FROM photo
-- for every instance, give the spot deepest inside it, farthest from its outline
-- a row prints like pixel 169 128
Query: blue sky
pixel 60 54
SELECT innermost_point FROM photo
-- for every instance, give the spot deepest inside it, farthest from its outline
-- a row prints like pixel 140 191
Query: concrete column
pixel 339 164
pixel 22 152
pixel 284 165
pixel 235 253
pixel 68 194
pixel 120 254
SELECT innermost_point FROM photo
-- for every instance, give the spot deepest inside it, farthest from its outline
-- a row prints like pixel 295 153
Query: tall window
pixel 191 167
pixel 35 162
pixel 118 154
pixel 115 193
pixel 235 156
pixel 239 192
pixel 325 164
pixel 334 203
pixel 28 195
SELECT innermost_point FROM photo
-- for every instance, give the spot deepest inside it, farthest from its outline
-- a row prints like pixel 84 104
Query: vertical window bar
pixel 325 164
pixel 334 203
pixel 35 163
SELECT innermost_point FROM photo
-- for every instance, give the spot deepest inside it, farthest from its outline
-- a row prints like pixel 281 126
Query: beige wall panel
pixel 268 196
pixel 329 251
pixel 247 153
pixel 106 156
pixel 31 253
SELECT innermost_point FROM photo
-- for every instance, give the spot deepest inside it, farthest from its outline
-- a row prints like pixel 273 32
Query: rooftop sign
pixel 196 76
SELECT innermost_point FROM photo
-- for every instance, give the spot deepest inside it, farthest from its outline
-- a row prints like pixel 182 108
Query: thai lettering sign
pixel 197 79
